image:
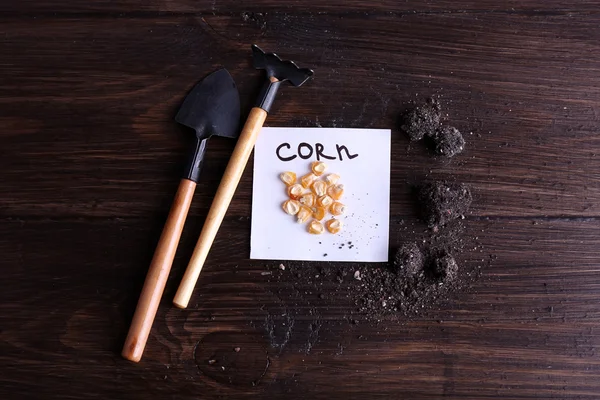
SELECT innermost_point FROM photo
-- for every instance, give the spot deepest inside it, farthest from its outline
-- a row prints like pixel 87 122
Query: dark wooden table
pixel 91 156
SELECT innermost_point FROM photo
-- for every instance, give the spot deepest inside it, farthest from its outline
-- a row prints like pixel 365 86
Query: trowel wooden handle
pixel 219 206
pixel 158 273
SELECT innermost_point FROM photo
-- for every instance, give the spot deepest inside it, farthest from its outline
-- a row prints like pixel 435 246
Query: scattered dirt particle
pixel 424 272
pixel 255 18
pixel 390 291
pixel 237 349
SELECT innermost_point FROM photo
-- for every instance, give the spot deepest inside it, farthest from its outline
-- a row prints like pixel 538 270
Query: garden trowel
pixel 212 108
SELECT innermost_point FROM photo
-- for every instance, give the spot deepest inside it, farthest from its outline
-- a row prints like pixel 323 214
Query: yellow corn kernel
pixel 319 213
pixel 319 188
pixel 307 180
pixel 315 227
pixel 335 191
pixel 337 208
pixel 318 167
pixel 334 225
pixel 291 207
pixel 324 201
pixel 295 191
pixel 308 199
pixel 303 214
pixel 289 178
pixel 332 179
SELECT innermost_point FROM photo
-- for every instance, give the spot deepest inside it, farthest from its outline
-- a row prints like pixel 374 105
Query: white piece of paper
pixel 366 179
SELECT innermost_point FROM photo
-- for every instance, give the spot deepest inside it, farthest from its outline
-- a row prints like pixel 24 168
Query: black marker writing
pixel 306 151
pixel 307 146
pixel 287 145
pixel 339 150
pixel 319 147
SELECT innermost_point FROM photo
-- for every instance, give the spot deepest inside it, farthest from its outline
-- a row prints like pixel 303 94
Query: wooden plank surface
pixel 142 7
pixel 528 330
pixel 107 114
pixel 91 158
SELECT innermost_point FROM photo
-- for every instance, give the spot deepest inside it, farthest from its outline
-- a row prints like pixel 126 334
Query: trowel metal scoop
pixel 212 108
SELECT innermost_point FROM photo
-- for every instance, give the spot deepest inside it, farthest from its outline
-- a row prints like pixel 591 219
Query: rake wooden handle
pixel 158 273
pixel 219 206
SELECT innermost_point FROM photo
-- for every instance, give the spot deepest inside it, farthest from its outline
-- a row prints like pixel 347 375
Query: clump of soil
pixel 408 260
pixel 425 273
pixel 427 270
pixel 441 202
pixel 448 141
pixel 392 291
pixel 444 267
pixel 422 120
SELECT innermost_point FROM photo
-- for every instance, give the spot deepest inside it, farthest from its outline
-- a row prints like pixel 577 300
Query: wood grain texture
pixel 158 273
pixel 529 330
pixel 141 7
pixel 525 86
pixel 91 157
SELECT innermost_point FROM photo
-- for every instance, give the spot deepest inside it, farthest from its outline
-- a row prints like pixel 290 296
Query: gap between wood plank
pixel 170 14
